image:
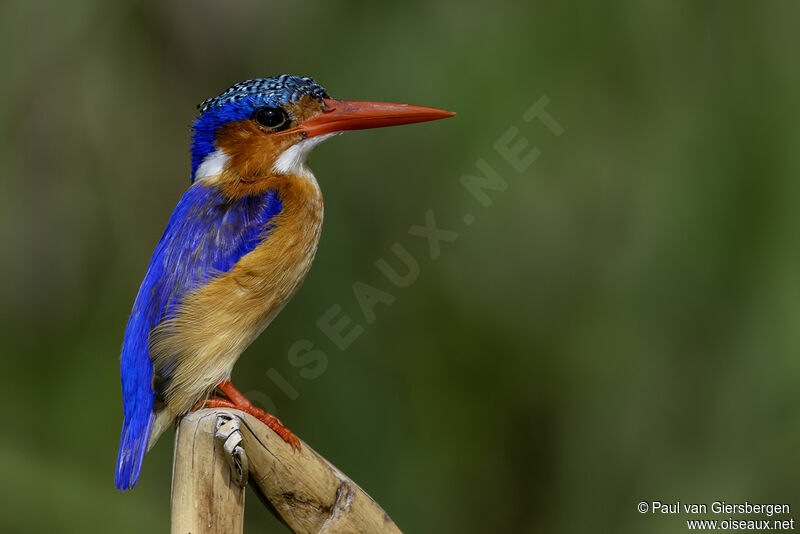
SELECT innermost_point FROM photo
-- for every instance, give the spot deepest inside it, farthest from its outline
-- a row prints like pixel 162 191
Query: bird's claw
pixel 275 424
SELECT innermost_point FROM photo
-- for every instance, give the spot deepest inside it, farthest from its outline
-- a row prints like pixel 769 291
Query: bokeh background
pixel 621 324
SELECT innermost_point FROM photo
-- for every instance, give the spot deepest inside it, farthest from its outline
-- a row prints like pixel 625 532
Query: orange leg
pixel 240 402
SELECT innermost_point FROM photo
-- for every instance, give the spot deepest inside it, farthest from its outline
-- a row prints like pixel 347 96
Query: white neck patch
pixel 293 159
pixel 212 165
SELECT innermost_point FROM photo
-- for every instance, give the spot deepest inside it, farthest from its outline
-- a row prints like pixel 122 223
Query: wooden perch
pixel 218 450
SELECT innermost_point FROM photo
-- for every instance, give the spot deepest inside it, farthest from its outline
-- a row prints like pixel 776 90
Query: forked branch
pixel 218 450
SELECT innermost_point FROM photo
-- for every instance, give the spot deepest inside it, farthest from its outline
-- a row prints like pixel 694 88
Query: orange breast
pixel 218 321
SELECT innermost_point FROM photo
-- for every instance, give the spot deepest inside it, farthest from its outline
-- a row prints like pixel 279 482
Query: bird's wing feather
pixel 206 235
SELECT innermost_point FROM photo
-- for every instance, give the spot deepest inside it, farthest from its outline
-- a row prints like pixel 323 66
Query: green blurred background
pixel 619 325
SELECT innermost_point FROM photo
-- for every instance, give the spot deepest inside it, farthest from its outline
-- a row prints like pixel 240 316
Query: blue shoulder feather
pixel 206 235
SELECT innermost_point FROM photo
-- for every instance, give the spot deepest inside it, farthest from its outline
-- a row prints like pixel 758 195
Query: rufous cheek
pixel 251 150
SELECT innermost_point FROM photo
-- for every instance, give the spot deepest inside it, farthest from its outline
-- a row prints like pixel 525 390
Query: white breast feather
pixel 293 159
pixel 212 165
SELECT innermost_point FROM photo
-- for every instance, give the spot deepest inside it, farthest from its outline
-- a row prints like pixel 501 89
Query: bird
pixel 235 250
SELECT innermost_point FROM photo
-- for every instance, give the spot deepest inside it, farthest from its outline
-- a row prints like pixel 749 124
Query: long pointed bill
pixel 341 115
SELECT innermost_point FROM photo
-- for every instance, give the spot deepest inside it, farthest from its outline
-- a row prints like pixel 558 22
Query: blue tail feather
pixel 132 446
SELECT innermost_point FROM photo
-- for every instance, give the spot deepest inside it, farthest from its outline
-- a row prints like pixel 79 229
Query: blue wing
pixel 206 235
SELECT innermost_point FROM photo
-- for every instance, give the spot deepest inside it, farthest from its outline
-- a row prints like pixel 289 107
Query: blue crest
pixel 240 102
pixel 272 91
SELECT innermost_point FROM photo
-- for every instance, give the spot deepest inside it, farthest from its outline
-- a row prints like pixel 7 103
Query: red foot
pixel 240 402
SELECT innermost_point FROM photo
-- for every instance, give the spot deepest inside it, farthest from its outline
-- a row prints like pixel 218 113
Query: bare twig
pixel 217 450
pixel 207 495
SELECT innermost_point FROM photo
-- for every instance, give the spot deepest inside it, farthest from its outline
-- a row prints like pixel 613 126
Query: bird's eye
pixel 271 117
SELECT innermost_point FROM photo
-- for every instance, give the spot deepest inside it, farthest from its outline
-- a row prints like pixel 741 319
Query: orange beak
pixel 341 115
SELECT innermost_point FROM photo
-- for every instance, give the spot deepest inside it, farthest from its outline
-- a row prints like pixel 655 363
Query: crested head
pixel 268 126
pixel 249 111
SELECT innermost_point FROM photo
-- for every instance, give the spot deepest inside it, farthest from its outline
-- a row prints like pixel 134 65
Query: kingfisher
pixel 236 249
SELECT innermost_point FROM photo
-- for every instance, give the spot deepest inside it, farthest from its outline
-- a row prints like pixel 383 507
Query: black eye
pixel 270 117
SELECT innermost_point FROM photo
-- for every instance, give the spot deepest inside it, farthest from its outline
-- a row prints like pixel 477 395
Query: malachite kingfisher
pixel 235 250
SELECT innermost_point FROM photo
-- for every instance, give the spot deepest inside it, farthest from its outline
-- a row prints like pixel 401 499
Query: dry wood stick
pixel 218 450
